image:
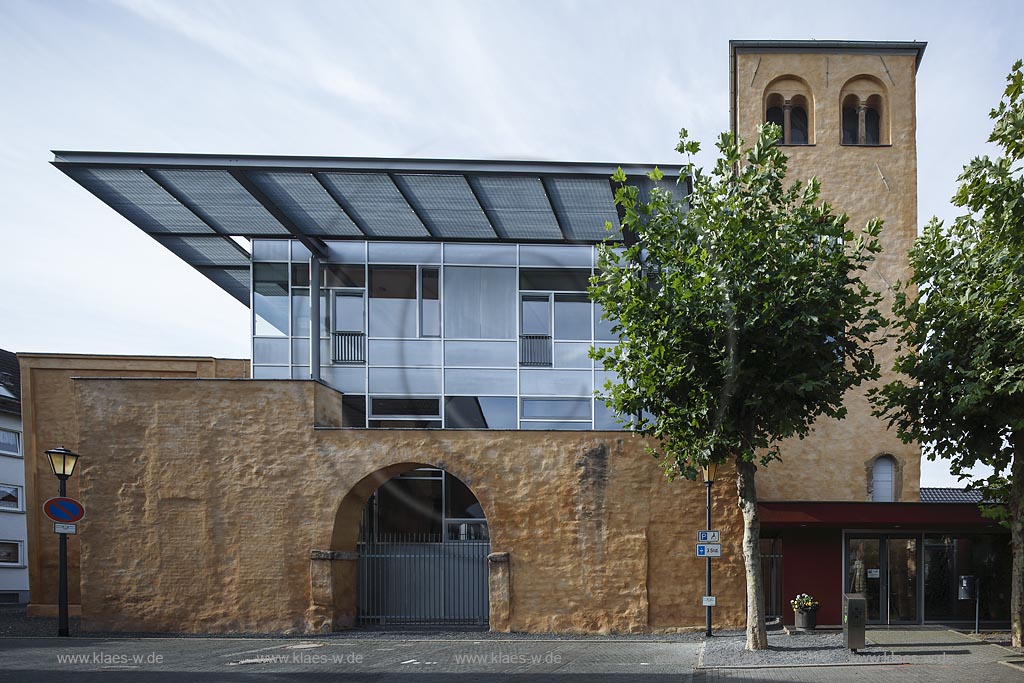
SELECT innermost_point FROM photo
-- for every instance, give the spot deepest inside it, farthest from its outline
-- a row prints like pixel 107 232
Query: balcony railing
pixel 348 348
pixel 535 350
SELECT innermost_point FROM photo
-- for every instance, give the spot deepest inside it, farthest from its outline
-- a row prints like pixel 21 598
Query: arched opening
pixel 788 104
pixel 850 123
pixel 799 132
pixel 873 121
pixel 773 111
pixel 410 547
pixel 865 120
pixel 883 480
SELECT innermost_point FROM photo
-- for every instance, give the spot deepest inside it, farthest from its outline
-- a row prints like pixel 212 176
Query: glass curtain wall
pixel 431 335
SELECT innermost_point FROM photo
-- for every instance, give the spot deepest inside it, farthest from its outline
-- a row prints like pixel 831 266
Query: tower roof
pixel 879 47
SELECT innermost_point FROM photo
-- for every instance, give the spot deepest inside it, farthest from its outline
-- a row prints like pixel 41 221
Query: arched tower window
pixel 850 106
pixel 865 120
pixel 883 480
pixel 799 132
pixel 773 112
pixel 788 104
pixel 873 121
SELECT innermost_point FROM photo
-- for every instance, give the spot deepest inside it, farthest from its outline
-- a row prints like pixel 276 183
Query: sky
pixel 532 79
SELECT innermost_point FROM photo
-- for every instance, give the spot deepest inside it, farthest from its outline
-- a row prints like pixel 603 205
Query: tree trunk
pixel 1017 540
pixel 757 636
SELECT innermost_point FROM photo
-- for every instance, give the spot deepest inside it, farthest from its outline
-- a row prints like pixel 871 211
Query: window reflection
pixel 480 412
pixel 270 299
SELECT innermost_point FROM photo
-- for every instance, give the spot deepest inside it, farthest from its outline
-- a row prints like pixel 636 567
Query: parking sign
pixel 709 550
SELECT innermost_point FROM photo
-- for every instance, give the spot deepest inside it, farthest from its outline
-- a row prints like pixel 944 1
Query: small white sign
pixel 708 601
pixel 59 528
pixel 709 537
pixel 874 573
pixel 709 550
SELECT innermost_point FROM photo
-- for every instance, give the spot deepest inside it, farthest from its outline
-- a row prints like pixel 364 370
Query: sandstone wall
pixel 50 420
pixel 208 499
pixel 865 182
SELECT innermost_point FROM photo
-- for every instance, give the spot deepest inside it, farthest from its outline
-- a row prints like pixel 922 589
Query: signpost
pixel 709 537
pixel 64 512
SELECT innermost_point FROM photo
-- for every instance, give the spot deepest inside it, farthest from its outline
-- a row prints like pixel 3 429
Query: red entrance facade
pixel 905 557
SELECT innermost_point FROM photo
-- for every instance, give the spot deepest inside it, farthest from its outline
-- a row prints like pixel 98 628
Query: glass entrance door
pixel 902 579
pixel 864 573
pixel 885 570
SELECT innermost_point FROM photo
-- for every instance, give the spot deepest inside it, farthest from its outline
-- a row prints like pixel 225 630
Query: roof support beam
pixel 405 195
pixel 314 244
pixel 188 204
pixel 472 182
pixel 345 207
pixel 545 183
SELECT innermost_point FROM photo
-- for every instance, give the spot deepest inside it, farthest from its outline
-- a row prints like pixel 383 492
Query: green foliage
pixel 961 319
pixel 741 313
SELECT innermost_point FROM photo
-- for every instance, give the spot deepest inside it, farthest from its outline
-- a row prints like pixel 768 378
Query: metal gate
pixel 771 576
pixel 422 579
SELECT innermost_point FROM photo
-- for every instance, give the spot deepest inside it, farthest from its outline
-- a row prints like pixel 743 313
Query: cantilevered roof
pixel 194 204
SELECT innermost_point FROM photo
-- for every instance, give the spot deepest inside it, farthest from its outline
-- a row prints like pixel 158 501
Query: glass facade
pixel 431 335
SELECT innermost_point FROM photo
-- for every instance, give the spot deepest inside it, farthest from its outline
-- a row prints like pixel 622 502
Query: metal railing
pixel 348 348
pixel 535 350
pixel 406 579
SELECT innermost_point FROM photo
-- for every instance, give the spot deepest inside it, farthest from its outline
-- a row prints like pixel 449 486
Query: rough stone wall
pixel 50 420
pixel 207 500
pixel 865 182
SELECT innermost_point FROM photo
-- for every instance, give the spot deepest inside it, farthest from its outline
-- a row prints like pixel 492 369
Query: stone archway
pixel 335 600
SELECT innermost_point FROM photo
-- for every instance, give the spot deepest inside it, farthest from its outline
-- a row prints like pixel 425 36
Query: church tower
pixel 848 113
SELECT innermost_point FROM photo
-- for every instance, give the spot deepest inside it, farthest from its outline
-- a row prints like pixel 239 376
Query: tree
pixel 741 318
pixel 961 332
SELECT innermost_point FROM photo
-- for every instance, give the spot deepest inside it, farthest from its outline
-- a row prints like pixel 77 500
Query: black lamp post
pixel 62 462
pixel 709 472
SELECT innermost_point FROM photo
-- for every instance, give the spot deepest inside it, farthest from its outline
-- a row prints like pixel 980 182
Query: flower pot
pixel 806 621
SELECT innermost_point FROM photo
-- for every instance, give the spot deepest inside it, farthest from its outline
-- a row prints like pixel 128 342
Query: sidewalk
pixel 911 654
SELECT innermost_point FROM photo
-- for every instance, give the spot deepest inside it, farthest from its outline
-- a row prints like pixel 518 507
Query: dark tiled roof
pixel 949 495
pixel 10 380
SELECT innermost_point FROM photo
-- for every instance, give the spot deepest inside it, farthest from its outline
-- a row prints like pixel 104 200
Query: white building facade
pixel 13 535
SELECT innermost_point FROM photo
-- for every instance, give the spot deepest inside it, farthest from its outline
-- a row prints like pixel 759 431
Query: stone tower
pixel 848 110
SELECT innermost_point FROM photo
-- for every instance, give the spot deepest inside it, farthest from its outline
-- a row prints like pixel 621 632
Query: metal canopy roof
pixel 195 204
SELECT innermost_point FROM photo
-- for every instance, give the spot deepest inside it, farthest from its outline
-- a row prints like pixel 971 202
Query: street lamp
pixel 709 471
pixel 62 462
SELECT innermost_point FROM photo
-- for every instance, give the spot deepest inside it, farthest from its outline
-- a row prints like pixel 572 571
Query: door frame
pixel 883 536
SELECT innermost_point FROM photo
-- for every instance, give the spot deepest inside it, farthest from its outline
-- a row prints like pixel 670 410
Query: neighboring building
pixel 448 463
pixel 13 537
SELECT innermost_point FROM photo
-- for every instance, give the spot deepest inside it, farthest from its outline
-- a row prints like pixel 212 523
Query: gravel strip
pixel 14 622
pixel 725 650
pixel 995 637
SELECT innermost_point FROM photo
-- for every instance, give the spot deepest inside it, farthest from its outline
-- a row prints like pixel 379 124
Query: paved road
pixel 487 657
pixel 84 660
